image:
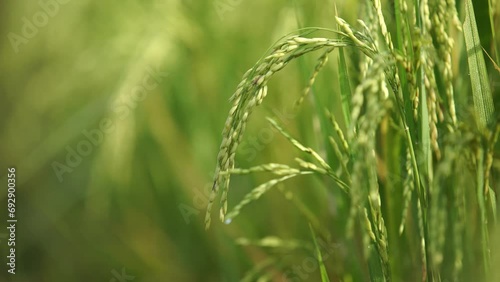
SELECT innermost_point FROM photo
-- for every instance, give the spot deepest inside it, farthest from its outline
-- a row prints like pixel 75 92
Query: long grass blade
pixel 483 101
pixel 319 258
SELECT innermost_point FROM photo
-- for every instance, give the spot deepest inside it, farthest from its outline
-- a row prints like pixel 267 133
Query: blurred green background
pixel 111 113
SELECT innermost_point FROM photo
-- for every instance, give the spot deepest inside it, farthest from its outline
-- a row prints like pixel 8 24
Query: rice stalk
pixel 252 90
pixel 408 85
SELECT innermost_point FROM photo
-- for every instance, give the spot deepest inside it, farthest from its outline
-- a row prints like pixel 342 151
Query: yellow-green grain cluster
pixel 252 90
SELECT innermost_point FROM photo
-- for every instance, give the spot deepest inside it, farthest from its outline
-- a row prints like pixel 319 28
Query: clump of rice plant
pixel 444 200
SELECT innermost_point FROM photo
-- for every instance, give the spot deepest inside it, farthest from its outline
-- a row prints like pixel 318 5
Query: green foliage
pixel 112 112
pixel 405 97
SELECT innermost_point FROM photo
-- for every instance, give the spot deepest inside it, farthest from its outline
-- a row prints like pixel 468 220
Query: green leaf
pixel 483 101
pixel 322 268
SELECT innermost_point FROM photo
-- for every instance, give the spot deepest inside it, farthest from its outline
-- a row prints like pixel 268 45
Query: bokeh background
pixel 111 113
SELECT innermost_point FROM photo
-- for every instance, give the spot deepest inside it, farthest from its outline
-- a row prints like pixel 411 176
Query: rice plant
pixel 412 148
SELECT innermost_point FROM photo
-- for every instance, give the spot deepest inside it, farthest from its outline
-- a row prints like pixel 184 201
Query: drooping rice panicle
pixel 370 96
pixel 377 5
pixel 408 86
pixel 427 63
pixel 443 15
pixel 253 89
